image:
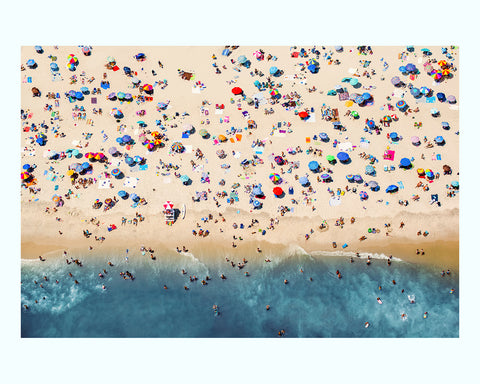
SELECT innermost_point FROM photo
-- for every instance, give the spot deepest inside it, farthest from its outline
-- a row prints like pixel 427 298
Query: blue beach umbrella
pixel 126 138
pixel 138 159
pixel 122 194
pixel 121 95
pixel 393 136
pixel 30 63
pixel 86 165
pixel 391 189
pixel 359 99
pixel 134 197
pixel 370 124
pixel 26 167
pixel 405 163
pixel 357 178
pixel 439 140
pixel 54 66
pixel 256 203
pixel 242 59
pixel 411 68
pixel 441 96
pixel 425 90
pixel 129 160
pixel 313 166
pixel 353 81
pixel 84 90
pixel 366 96
pixel 38 49
pixel 343 156
pixel 312 68
pixel 402 69
pixel 273 70
pixel 323 136
pixel 79 95
pixel 455 184
pixel 184 179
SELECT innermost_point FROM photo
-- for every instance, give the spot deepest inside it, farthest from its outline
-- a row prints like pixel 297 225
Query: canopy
pixel 313 165
pixel 277 191
pixel 405 163
pixel 343 156
pixel 391 188
pixel 237 91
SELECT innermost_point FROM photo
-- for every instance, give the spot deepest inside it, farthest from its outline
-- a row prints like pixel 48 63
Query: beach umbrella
pixel 366 96
pixel 129 160
pixel 442 63
pixel 447 169
pixel 372 184
pixel 415 92
pixel 346 79
pixel 135 80
pixel 393 136
pixel 203 132
pixel 128 96
pixel 140 56
pixel 420 171
pixel 56 198
pixel 122 194
pixel 279 160
pixel 31 63
pixel 353 81
pixel 303 115
pixel 434 111
pixel 355 114
pixel 350 178
pixel 54 66
pixel 25 176
pixel 26 167
pixel 162 105
pixel 405 163
pixel 437 75
pixel 455 184
pixel 70 172
pixel 369 170
pixel 277 191
pixel 72 93
pixel 71 67
pixel 138 159
pixel 275 177
pixel 38 49
pixel 313 165
pixel 256 203
pixel 425 50
pixel 147 88
pixel 357 179
pixel 370 124
pixel 126 138
pixel 117 113
pixel 391 189
pixel 168 205
pixel 273 70
pixel 410 68
pixel 112 150
pixel 274 93
pixel 439 140
pixel 441 96
pixel 222 138
pixel 184 179
pixel 79 95
pixel 325 176
pixel 312 68
pixel 396 80
pixel 446 72
pixel 402 69
pixel 242 59
pixel 401 104
pixel 134 197
pixel 445 125
pixel 115 172
pixel 177 147
pixel 363 195
pixel 110 60
pixel 359 100
pixel 429 174
pixel 343 156
pixel 428 67
pixel 85 165
pixel 338 48
pixel 387 118
pixel 112 96
pixel 121 95
pixel 451 99
pixel 415 140
pixel 331 158
pixel 237 91
pixel 84 90
pixel 108 201
pixel 323 136
pixel 86 50
pixel 303 180
pixel 425 90
pixel 331 93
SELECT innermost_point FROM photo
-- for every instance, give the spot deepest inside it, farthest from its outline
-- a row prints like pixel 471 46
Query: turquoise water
pixel 322 307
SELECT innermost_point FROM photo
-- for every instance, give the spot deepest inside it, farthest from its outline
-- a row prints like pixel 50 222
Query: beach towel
pixel 439 157
pixel 188 149
pixel 238 137
pixel 195 90
pixel 130 182
pixel 400 184
pixel 104 184
pixel 307 140
pixel 93 100
pixel 431 99
pixel 143 167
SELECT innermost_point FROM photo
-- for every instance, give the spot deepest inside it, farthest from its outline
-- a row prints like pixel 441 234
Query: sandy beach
pixel 191 90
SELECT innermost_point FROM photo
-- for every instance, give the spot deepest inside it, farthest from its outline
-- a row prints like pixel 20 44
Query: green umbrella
pixel 184 178
pixel 354 113
pixel 330 158
pixel 353 81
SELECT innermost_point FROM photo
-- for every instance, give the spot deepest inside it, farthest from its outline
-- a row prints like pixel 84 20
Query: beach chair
pixel 386 169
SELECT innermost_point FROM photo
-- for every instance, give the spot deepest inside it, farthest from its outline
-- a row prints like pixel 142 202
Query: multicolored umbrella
pixel 446 72
pixel 177 147
pixel 442 63
pixel 437 75
pixel 363 195
pixel 115 172
pixel 275 177
pixel 25 176
pixel 168 205
pixel 401 104
pixel 147 88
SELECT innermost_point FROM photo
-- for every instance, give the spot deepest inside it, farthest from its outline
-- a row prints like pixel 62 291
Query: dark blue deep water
pixel 324 307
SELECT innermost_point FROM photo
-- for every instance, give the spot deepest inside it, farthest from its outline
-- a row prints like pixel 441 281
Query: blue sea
pixel 314 303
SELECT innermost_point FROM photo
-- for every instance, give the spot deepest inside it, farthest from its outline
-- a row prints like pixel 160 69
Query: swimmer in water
pixel 267 307
pixel 425 315
pixel 103 287
pixel 367 324
pixel 394 282
pixel 165 287
pixel 185 287
pixel 222 276
pixel 285 281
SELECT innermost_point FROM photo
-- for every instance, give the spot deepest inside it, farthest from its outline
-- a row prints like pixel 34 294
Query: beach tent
pixel 405 163
pixel 313 166
pixel 392 189
pixel 343 157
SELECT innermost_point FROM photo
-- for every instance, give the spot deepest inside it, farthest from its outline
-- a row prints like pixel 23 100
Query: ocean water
pixel 324 306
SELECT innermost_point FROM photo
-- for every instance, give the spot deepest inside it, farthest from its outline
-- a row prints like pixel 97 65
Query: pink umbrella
pixel 168 205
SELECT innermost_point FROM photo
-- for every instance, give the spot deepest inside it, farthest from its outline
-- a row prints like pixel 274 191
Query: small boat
pixel 184 211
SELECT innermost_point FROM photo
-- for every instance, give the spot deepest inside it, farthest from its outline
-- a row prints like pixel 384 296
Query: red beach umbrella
pixel 303 115
pixel 277 191
pixel 237 91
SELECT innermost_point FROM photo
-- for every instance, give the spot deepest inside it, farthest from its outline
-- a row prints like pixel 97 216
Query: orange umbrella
pixel 56 198
pixel 222 138
pixel 155 133
pixel 442 63
pixel 446 72
pixel 97 156
pixel 157 142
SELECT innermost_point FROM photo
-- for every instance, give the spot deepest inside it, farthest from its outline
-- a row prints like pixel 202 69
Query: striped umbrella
pixel 350 177
pixel 363 195
pixel 147 87
pixel 442 63
pixel 446 72
pixel 437 75
pixel 401 104
pixel 115 172
pixel 25 175
pixel 275 177
pixel 177 147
